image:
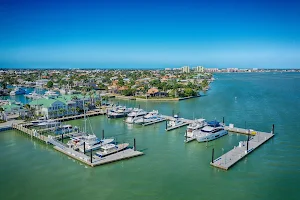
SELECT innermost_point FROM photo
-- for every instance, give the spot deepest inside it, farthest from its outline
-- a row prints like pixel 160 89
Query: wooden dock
pixel 88 114
pixel 97 161
pixel 230 158
pixel 32 133
pixel 178 126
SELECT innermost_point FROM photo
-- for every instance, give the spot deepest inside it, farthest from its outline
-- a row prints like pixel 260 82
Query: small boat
pixel 109 149
pixel 196 125
pixel 150 117
pixel 213 130
pixel 175 122
pixel 134 115
pixel 17 91
pixel 33 95
pixel 93 144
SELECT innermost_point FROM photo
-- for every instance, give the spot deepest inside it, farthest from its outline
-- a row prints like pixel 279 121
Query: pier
pixel 154 122
pixel 230 158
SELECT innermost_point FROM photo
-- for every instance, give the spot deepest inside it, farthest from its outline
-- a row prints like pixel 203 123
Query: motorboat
pixel 134 115
pixel 109 149
pixel 118 112
pixel 150 117
pixel 175 122
pixel 213 130
pixel 49 123
pixel 91 142
pixel 65 129
pixel 195 125
pixel 33 95
pixel 17 91
pixel 50 94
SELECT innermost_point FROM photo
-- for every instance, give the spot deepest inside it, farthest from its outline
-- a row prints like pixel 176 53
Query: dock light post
pixel 248 139
pixel 134 145
pixel 212 155
pixel 84 147
pixel 102 134
pixel 91 155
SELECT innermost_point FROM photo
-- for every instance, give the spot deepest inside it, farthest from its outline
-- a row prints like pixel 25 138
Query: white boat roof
pixel 108 146
pixel 208 128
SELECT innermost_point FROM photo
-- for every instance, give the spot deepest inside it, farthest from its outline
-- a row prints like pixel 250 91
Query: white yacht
pixel 50 93
pixel 48 123
pixel 196 125
pixel 109 149
pixel 150 117
pixel 135 115
pixel 33 95
pixel 118 112
pixel 17 91
pixel 92 143
pixel 213 130
pixel 175 122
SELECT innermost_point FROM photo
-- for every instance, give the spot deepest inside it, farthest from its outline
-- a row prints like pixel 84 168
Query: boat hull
pixel 210 137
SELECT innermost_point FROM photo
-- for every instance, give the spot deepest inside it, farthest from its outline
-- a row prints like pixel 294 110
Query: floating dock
pixel 95 160
pixel 178 126
pixel 230 158
pixel 154 122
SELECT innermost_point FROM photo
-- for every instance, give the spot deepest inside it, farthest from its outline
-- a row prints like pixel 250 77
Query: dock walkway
pixel 230 158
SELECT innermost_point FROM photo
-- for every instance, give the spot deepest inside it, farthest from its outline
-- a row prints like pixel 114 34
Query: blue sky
pixel 143 34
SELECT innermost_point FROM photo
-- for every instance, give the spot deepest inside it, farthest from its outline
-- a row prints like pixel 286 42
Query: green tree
pixel 120 81
pixel 50 84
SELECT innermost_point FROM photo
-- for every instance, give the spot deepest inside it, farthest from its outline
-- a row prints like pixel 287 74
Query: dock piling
pixel 91 155
pixel 166 124
pixel 62 137
pixel 212 155
pixel 83 147
pixel 139 106
pixel 102 134
pixel 134 145
pixel 172 113
pixel 273 128
pixel 248 139
pixel 186 135
pixel 223 120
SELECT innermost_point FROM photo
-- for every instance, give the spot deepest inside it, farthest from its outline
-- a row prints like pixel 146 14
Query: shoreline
pixel 149 99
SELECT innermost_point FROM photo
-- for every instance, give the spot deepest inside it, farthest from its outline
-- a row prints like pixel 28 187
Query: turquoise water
pixel 171 169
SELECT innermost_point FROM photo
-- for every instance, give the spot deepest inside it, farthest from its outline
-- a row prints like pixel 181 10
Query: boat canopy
pixel 213 123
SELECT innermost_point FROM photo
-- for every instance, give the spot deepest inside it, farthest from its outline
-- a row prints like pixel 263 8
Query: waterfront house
pixel 12 110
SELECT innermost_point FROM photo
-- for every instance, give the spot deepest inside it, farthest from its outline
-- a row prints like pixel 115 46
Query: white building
pixel 186 69
pixel 199 69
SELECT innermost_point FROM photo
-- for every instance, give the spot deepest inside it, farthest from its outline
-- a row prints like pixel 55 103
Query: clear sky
pixel 157 33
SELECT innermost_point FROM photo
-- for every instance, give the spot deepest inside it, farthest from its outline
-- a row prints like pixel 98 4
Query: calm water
pixel 171 169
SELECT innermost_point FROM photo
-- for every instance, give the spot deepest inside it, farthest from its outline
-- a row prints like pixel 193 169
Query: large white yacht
pixel 135 115
pixel 196 125
pixel 150 117
pixel 213 130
